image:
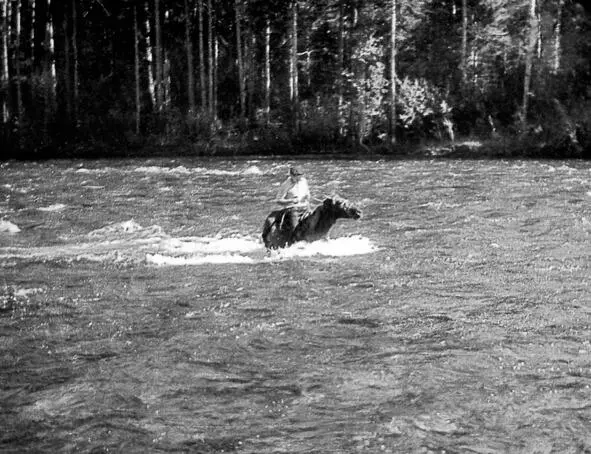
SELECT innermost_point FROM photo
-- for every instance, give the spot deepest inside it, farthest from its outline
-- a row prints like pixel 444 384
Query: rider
pixel 294 197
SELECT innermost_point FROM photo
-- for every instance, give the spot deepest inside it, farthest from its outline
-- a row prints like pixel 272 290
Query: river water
pixel 141 313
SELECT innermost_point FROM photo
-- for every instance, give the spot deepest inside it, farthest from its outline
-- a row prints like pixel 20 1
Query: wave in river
pixel 129 242
pixel 8 227
pixel 178 170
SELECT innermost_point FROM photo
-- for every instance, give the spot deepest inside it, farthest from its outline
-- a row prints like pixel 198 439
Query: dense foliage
pixel 263 76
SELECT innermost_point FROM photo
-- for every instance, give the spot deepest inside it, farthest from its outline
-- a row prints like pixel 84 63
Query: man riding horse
pixel 295 221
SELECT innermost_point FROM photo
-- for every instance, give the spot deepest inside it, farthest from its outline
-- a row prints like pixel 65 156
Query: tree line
pixel 90 76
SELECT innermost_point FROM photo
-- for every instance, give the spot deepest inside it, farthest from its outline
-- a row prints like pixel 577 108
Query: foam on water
pixel 251 169
pixel 119 227
pixel 198 251
pixel 336 247
pixel 26 292
pixel 129 242
pixel 207 245
pixel 181 170
pixel 165 260
pixel 54 207
pixel 8 227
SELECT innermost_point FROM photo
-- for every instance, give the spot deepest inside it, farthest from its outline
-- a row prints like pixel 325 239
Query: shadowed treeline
pixel 99 77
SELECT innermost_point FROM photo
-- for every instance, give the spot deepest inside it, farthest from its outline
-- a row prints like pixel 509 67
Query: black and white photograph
pixel 295 226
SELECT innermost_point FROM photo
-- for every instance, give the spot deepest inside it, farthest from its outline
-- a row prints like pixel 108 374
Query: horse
pixel 312 225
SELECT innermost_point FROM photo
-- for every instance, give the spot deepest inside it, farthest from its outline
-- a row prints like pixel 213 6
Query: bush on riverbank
pixel 554 131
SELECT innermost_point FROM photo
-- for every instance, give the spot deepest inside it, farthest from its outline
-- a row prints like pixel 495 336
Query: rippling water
pixel 165 214
pixel 140 311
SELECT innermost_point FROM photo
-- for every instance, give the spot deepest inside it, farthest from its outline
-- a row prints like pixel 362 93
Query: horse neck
pixel 324 218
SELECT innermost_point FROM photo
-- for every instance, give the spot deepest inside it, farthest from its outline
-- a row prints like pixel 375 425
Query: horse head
pixel 342 208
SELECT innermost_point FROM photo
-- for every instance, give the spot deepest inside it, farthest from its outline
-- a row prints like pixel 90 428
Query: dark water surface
pixel 139 311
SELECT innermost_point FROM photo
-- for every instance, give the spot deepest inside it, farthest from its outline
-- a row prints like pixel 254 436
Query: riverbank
pixel 281 145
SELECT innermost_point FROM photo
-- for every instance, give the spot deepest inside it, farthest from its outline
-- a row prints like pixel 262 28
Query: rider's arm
pixel 287 201
pixel 282 198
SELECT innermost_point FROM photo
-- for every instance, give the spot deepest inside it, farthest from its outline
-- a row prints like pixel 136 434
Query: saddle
pixel 304 212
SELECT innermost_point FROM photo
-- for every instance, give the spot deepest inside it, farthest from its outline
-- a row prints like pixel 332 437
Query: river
pixel 140 312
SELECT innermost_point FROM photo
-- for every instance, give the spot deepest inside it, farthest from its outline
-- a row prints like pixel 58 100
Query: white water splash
pixel 163 260
pixel 246 250
pixel 127 228
pixel 180 170
pixel 26 292
pixel 336 247
pixel 207 245
pixel 206 250
pixel 54 207
pixel 8 227
pixel 252 170
pixel 129 242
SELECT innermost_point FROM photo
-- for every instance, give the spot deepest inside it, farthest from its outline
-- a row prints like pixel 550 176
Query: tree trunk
pixel 39 30
pixel 393 24
pixel 464 62
pixel 17 63
pixel 189 51
pixel 6 111
pixel 166 80
pixel 49 75
pixel 210 82
pixel 149 58
pixel 250 45
pixel 293 66
pixel 341 55
pixel 159 62
pixel 136 47
pixel 240 60
pixel 531 48
pixel 308 53
pixel 558 39
pixel 68 66
pixel 75 94
pixel 60 62
pixel 27 41
pixel 267 71
pixel 202 82
pixel 215 75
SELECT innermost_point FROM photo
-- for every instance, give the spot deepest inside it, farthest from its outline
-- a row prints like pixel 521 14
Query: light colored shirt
pixel 293 194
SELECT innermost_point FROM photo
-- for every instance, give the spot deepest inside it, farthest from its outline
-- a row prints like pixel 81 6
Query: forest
pixel 117 77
